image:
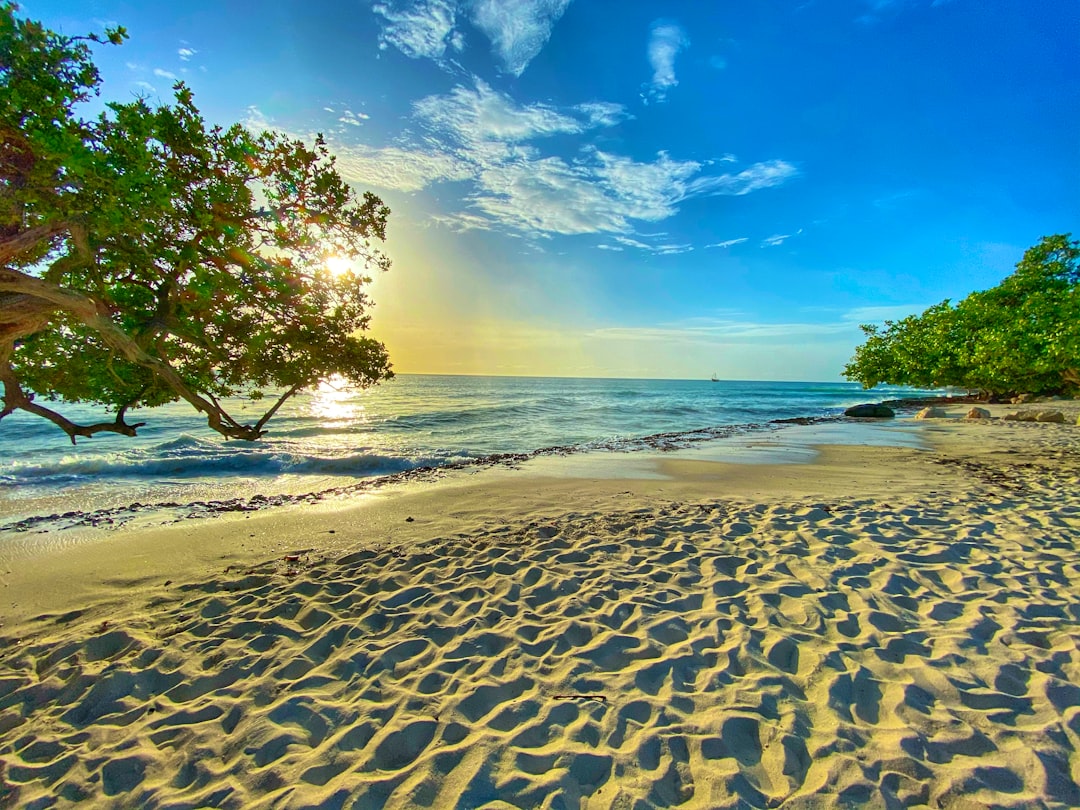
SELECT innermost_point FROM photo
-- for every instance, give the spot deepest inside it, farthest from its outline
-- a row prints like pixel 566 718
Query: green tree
pixel 149 258
pixel 1020 336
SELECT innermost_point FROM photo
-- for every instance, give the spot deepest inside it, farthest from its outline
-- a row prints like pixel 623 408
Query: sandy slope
pixel 885 627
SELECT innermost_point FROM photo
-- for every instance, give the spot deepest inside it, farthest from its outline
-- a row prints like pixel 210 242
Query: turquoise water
pixel 335 436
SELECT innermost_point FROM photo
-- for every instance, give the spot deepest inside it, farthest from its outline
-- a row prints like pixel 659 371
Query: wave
pixel 183 460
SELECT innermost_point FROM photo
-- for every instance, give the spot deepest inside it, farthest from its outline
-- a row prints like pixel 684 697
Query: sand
pixel 885 627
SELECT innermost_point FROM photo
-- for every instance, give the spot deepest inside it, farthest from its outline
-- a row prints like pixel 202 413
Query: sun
pixel 337 265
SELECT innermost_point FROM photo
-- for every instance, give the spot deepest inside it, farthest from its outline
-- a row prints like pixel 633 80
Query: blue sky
pixel 650 189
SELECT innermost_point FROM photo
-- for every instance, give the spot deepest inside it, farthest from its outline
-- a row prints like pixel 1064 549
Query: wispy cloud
pixel 775 240
pixel 660 248
pixel 517 29
pixel 728 242
pixel 603 113
pixel 396 168
pixel 666 39
pixel 478 114
pixel 761 175
pixel 185 54
pixel 164 74
pixel 778 239
pixel 419 29
pixel 485 137
pixel 257 121
pixel 354 119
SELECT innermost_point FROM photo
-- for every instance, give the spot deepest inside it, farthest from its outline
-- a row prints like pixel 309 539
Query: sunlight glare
pixel 335 401
pixel 338 265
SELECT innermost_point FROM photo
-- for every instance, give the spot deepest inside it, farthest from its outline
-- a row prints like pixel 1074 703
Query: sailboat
pixel 714 378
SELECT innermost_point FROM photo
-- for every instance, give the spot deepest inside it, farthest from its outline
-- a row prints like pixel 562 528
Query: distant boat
pixel 714 378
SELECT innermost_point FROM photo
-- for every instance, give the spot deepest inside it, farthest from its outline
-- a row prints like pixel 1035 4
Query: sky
pixel 671 189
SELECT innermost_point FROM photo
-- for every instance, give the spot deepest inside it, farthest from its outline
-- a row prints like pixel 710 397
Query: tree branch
pixel 12 246
pixel 95 315
pixel 281 401
pixel 17 399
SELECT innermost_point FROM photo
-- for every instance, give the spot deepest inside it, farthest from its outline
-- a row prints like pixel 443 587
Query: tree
pixel 1020 336
pixel 148 258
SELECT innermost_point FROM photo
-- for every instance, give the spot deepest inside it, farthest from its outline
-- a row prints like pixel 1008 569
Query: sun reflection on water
pixel 336 401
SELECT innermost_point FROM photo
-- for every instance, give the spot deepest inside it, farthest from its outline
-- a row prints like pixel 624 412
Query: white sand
pixel 888 627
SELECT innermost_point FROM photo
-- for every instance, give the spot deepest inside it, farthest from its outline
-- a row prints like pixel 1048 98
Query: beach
pixel 883 626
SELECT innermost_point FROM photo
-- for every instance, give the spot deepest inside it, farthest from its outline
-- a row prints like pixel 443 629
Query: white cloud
pixel 462 222
pixel 728 242
pixel 486 139
pixel 604 194
pixel 351 118
pixel 546 196
pixel 775 240
pixel 256 121
pixel 662 249
pixel 146 86
pixel 760 175
pixel 518 29
pixel 164 74
pixel 421 29
pixel 398 169
pixel 634 243
pixel 666 39
pixel 482 114
pixel 603 113
pixel 517 187
pixel 185 54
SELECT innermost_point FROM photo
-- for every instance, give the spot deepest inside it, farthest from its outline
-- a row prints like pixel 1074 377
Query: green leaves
pixel 202 247
pixel 1020 336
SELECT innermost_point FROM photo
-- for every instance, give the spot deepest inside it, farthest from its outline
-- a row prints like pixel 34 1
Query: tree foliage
pixel 148 257
pixel 1022 336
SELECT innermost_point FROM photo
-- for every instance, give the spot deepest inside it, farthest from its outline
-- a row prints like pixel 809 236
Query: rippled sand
pixel 912 643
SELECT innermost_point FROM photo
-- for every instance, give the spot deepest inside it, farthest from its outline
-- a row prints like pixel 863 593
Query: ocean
pixel 335 439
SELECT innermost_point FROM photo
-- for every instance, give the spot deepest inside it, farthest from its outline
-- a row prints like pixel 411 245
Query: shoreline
pixel 198 509
pixel 879 624
pixel 166 512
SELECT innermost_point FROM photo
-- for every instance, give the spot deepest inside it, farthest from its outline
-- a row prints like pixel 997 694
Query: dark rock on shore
pixel 870 410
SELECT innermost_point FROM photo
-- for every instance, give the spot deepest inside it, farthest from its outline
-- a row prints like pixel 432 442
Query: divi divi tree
pixel 1022 336
pixel 146 257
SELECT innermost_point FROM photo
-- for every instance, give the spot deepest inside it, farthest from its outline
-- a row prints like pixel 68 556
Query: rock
pixel 931 413
pixel 1020 399
pixel 978 413
pixel 870 410
pixel 1050 416
pixel 1020 416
